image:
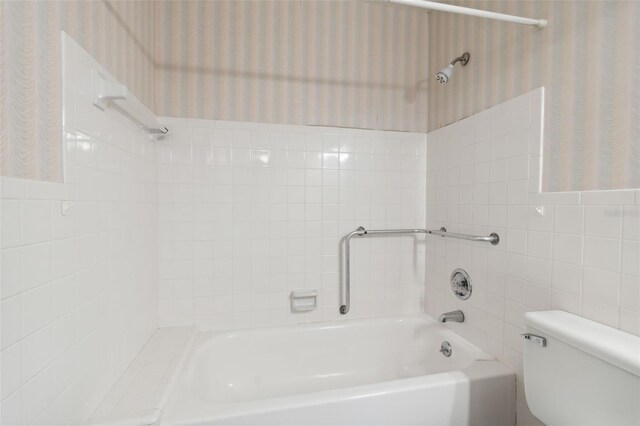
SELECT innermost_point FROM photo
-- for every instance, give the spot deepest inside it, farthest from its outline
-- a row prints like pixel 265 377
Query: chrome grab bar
pixel 493 238
pixel 360 231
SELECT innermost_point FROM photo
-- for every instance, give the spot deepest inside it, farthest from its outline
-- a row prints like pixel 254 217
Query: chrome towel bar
pixel 360 231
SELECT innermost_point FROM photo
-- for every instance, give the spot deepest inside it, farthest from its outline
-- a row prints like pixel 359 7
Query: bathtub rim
pixel 208 411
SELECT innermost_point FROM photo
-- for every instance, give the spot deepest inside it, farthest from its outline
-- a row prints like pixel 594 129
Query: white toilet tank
pixel 580 372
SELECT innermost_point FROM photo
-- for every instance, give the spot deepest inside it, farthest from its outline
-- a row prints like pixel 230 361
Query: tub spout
pixel 453 316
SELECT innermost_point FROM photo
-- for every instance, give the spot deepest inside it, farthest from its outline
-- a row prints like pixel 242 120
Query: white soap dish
pixel 303 300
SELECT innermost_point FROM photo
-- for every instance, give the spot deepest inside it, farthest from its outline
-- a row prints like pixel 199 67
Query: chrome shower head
pixel 444 74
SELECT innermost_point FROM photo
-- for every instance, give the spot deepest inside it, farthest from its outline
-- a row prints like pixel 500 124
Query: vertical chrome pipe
pixel 346 287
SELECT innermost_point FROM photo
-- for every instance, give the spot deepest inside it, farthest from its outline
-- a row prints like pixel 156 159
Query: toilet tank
pixel 580 372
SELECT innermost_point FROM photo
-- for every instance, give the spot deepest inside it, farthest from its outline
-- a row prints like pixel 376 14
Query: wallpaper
pixel 336 63
pixel 119 34
pixel 362 64
pixel 587 59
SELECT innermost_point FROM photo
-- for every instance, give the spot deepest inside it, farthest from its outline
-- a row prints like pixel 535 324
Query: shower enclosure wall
pixel 250 212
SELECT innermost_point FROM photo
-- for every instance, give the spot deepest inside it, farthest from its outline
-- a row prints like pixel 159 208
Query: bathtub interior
pixel 269 363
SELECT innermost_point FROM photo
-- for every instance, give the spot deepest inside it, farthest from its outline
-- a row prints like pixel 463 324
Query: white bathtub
pixel 364 372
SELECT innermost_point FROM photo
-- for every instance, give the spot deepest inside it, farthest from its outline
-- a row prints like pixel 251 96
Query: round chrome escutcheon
pixel 445 349
pixel 461 284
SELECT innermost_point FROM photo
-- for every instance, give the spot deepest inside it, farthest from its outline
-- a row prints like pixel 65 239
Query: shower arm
pixel 463 59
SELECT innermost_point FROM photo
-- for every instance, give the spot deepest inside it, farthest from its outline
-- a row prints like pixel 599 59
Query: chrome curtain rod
pixel 493 238
pixel 443 7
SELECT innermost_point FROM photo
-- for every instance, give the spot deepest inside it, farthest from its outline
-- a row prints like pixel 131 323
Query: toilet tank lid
pixel 609 344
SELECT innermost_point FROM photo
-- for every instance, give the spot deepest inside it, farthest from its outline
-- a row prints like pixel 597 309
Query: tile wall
pixel 78 265
pixel 250 212
pixel 575 251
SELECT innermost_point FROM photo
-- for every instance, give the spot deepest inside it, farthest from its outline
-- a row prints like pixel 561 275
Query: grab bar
pixel 360 231
pixel 493 238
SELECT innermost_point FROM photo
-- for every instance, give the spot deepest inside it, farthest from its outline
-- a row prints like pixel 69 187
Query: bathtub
pixel 358 372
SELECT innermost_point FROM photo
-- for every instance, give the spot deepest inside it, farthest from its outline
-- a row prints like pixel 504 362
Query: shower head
pixel 444 74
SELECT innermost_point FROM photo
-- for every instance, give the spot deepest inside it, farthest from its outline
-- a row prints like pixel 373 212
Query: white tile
pixel 541 218
pixel 11 325
pixel 569 219
pixel 566 277
pixel 516 265
pixel 600 312
pixel 630 292
pixel 560 198
pixel 603 221
pixel 11 272
pixel 631 223
pixel 516 241
pixel 517 192
pixel 37 394
pixel 631 257
pixel 515 289
pixel 630 322
pixel 622 196
pixel 517 168
pixel 539 271
pixel 65 295
pixel 11 223
pixel 37 221
pixel 11 410
pixel 65 257
pixel 520 115
pixel 517 217
pixel 568 248
pixel 568 302
pixel 602 286
pixel 41 190
pixel 496 261
pixel 538 298
pixel 11 365
pixel 498 171
pixel 37 265
pixel 519 143
pixel 37 352
pixel 498 193
pixel 602 253
pixel 11 187
pixel 37 308
pixel 540 244
pixel 514 313
pixel 65 333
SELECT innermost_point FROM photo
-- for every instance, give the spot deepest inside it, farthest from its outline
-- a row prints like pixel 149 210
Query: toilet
pixel 580 372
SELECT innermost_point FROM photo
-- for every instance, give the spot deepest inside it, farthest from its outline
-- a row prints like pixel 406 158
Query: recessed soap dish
pixel 303 300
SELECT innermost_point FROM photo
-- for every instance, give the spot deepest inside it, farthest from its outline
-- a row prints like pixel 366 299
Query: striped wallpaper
pixel 336 63
pixel 588 58
pixel 119 34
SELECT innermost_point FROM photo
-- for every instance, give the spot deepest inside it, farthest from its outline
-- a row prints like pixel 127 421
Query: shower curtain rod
pixel 442 7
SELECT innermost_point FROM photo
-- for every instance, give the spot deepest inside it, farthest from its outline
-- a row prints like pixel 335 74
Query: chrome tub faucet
pixel 453 316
